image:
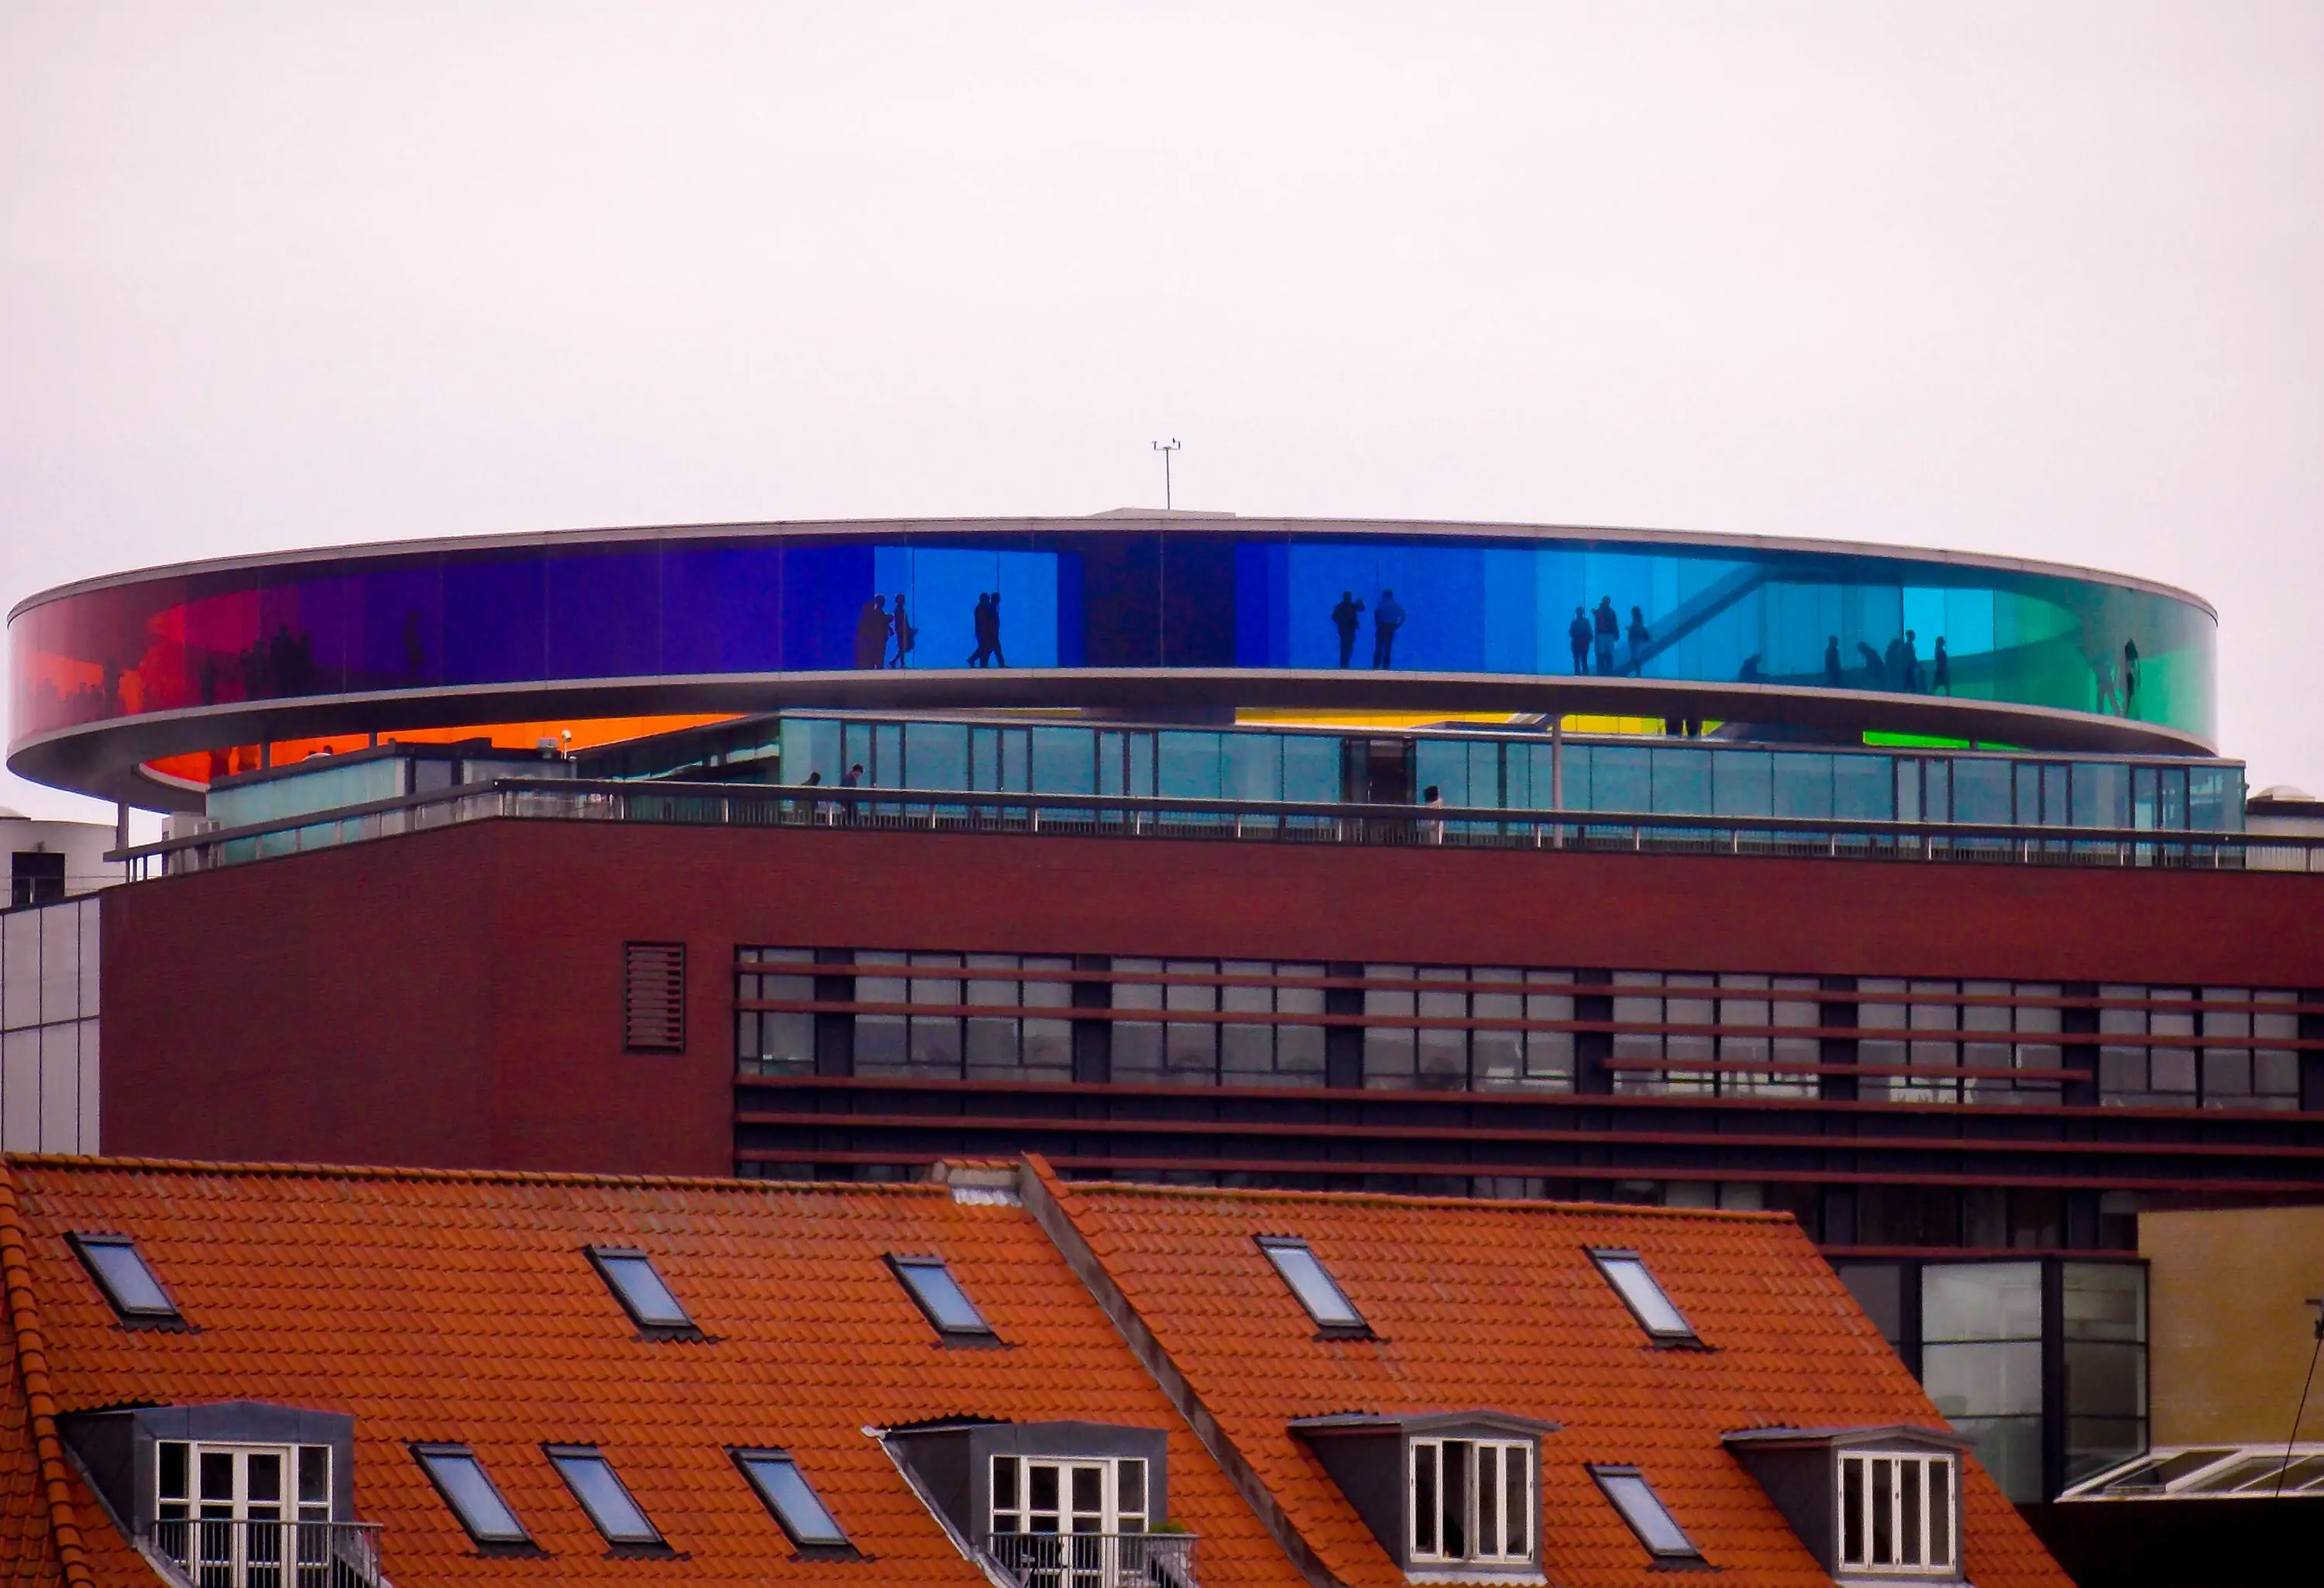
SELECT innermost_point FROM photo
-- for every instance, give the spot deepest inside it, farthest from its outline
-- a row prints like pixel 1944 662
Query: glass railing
pixel 1444 826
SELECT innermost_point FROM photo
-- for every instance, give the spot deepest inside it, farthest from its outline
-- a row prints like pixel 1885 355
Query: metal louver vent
pixel 653 997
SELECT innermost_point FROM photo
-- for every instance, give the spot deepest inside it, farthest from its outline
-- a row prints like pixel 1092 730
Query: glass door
pixel 228 1514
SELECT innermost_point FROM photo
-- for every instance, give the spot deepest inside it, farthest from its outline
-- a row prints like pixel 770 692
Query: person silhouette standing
pixel 906 635
pixel 1577 635
pixel 1607 627
pixel 872 626
pixel 1941 671
pixel 1639 638
pixel 1388 617
pixel 1347 618
pixel 1832 675
pixel 2130 678
pixel 992 623
pixel 1911 655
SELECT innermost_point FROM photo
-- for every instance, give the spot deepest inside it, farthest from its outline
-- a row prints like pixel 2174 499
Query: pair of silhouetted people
pixel 987 633
pixel 1388 617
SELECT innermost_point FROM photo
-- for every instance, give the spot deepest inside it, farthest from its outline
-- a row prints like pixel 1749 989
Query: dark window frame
pixel 1661 1339
pixel 843 1548
pixel 174 1321
pixel 1691 1558
pixel 983 1337
pixel 559 1453
pixel 1360 1329
pixel 423 1450
pixel 647 1328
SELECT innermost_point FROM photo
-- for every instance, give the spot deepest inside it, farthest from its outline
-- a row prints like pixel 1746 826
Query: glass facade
pixel 687 605
pixel 1488 771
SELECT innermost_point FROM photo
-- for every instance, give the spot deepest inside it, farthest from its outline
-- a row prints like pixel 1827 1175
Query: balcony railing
pixel 1095 1560
pixel 1245 821
pixel 243 1553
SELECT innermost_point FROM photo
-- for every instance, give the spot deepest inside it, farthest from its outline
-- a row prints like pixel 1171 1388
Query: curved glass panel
pixel 423 619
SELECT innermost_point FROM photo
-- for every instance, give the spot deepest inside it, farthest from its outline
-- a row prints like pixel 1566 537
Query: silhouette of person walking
pixel 1388 617
pixel 1832 675
pixel 872 625
pixel 1941 671
pixel 1347 618
pixel 1577 634
pixel 906 635
pixel 1912 658
pixel 987 633
pixel 1608 627
pixel 2130 678
pixel 1639 638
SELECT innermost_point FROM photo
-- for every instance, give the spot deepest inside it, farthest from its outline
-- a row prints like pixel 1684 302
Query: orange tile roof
pixel 457 1307
pixel 1499 1305
pixel 453 1306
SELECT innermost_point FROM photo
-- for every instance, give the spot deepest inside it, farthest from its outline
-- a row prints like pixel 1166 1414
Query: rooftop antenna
pixel 1165 448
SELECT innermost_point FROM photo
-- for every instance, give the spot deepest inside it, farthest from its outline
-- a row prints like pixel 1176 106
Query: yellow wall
pixel 2228 1326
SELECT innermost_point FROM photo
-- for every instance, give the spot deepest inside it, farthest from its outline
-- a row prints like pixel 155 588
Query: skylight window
pixel 1312 1284
pixel 1635 1283
pixel 120 1271
pixel 1643 1508
pixel 785 1491
pixel 631 1275
pixel 592 1479
pixel 931 1285
pixel 459 1477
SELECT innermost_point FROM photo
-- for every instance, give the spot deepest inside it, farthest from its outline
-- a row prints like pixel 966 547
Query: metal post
pixel 1165 448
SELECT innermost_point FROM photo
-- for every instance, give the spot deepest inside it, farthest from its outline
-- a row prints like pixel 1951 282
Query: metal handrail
pixel 249 1553
pixel 1095 1560
pixel 1149 815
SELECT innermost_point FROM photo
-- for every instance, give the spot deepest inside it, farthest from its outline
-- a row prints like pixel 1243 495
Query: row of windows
pixel 459 1476
pixel 1511 774
pixel 1450 1027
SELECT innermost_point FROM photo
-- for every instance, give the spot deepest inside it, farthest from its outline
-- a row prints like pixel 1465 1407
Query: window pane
pixel 1981 1301
pixel 2002 1379
pixel 1645 1298
pixel 932 1284
pixel 602 1495
pixel 641 1290
pixel 1424 1499
pixel 134 1287
pixel 474 1498
pixel 1645 1513
pixel 1313 1285
pixel 780 1483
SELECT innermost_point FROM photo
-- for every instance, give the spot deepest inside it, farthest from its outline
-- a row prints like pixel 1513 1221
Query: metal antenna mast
pixel 1165 448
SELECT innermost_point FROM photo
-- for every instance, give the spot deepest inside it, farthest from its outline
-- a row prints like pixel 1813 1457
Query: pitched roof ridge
pixel 262 1169
pixel 33 1372
pixel 1410 1199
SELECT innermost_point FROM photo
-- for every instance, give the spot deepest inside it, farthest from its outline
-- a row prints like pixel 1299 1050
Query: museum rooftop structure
pixel 1907 892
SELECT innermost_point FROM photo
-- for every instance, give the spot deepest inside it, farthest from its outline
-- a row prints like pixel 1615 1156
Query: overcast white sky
pixel 2034 279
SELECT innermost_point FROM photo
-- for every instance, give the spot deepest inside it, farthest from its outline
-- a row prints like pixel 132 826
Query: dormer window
pixel 1896 1512
pixel 1635 1283
pixel 1471 1501
pixel 1312 1284
pixel 1867 1502
pixel 1443 1491
pixel 120 1271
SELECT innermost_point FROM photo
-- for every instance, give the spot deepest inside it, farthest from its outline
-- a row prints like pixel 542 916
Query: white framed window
pixel 239 1515
pixel 1069 1494
pixel 1470 1499
pixel 1898 1512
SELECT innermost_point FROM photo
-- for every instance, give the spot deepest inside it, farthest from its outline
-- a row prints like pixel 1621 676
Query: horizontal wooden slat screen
pixel 653 997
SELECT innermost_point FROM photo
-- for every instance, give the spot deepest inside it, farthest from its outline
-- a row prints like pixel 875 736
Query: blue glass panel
pixel 1187 765
pixel 1802 783
pixel 1064 760
pixel 495 614
pixel 1742 783
pixel 1980 792
pixel 1681 781
pixel 604 614
pixel 1863 788
pixel 1620 779
pixel 1310 768
pixel 935 756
